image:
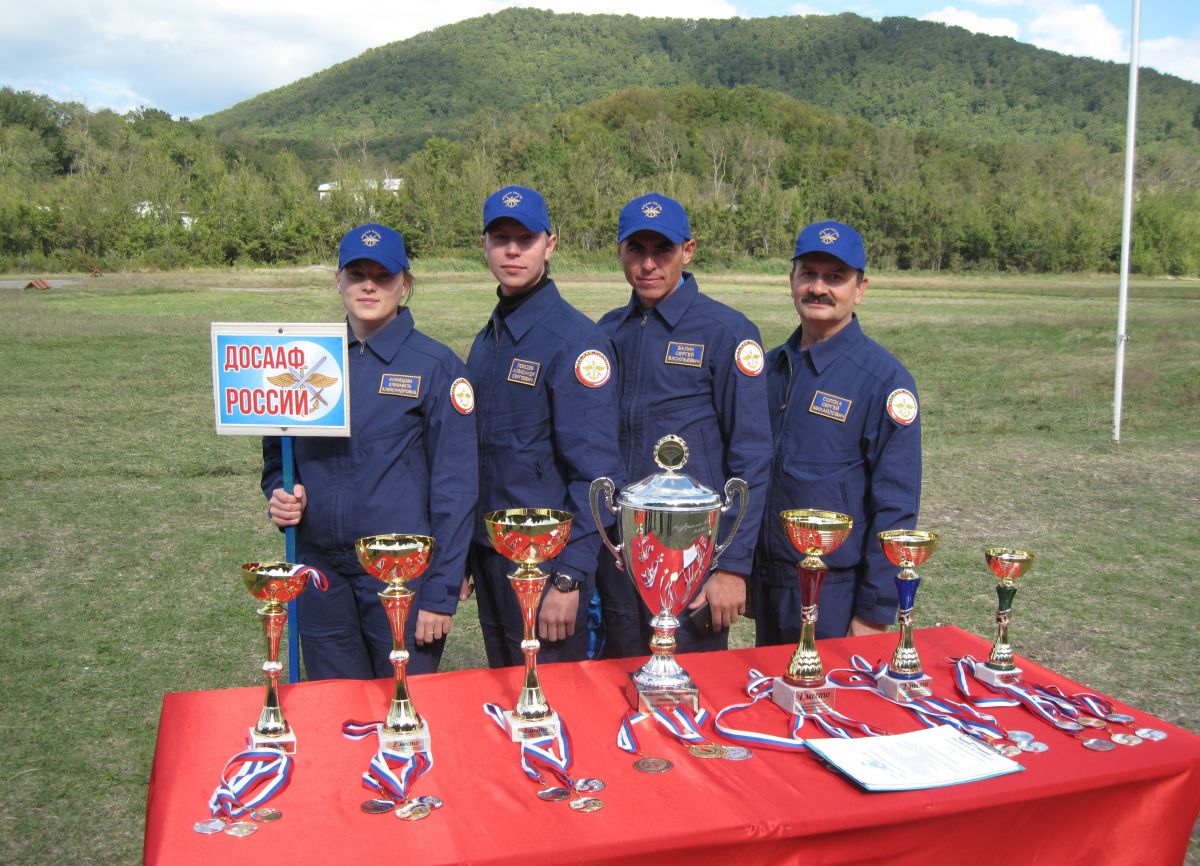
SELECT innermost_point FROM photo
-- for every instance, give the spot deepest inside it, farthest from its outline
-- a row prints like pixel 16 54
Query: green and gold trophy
pixel 528 537
pixel 904 679
pixel 814 533
pixel 1007 565
pixel 396 559
pixel 275 584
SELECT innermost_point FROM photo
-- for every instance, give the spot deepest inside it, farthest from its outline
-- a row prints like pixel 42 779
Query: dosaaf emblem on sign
pixel 281 379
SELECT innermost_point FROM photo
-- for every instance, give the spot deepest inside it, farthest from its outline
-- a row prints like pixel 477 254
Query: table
pixel 1130 805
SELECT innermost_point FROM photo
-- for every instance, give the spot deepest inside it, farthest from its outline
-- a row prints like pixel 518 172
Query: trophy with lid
pixel 668 524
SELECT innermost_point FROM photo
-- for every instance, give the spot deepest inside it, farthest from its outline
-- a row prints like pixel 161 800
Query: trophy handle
pixel 733 485
pixel 606 485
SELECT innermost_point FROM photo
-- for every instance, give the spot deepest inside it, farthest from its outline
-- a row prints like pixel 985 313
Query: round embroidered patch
pixel 902 406
pixel 749 357
pixel 592 368
pixel 462 395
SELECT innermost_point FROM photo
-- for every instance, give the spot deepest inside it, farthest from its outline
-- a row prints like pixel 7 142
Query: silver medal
pixel 1068 725
pixel 1153 734
pixel 554 794
pixel 587 804
pixel 1008 750
pixel 1019 737
pixel 216 825
pixel 266 815
pixel 377 806
pixel 241 828
pixel 1119 718
pixel 588 786
pixel 1126 739
pixel 737 753
pixel 431 801
pixel 412 811
pixel 1098 745
pixel 1033 746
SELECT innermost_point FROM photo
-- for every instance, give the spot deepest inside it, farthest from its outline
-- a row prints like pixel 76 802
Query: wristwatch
pixel 566 583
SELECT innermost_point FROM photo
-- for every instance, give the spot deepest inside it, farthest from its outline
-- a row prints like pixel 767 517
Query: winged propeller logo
pixel 307 379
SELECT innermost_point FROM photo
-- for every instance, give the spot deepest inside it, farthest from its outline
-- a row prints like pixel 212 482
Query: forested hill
pixel 895 72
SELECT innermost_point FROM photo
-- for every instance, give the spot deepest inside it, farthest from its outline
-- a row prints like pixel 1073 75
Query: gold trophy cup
pixel 275 583
pixel 906 548
pixel 1007 565
pixel 814 533
pixel 528 537
pixel 396 559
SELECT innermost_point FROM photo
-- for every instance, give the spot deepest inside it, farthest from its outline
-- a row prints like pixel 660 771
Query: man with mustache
pixel 847 438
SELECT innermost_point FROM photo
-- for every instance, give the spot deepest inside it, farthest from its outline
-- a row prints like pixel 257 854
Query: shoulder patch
pixel 462 395
pixel 830 406
pixel 524 372
pixel 902 406
pixel 592 368
pixel 749 357
pixel 685 354
pixel 400 385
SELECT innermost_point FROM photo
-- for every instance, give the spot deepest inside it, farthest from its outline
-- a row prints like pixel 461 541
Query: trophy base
pixel 797 699
pixel 405 743
pixel 905 690
pixel 531 729
pixel 286 742
pixel 997 678
pixel 647 699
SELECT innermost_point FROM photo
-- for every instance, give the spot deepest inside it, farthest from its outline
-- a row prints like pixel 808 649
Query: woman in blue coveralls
pixel 690 366
pixel 408 466
pixel 547 427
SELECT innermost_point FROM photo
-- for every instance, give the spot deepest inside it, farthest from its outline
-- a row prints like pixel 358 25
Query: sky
pixel 193 57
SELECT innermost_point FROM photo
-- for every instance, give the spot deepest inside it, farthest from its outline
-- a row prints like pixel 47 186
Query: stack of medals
pixel 684 728
pixel 549 753
pixel 238 805
pixel 392 772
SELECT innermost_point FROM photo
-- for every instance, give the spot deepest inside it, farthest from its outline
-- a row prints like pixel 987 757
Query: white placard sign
pixel 285 379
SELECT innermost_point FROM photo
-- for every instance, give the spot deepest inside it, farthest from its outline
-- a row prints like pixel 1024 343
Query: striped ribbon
pixel 390 773
pixel 259 774
pixel 1061 717
pixel 684 727
pixel 540 755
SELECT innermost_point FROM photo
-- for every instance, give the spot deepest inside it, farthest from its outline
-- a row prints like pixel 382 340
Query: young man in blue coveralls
pixel 546 392
pixel 407 466
pixel 847 439
pixel 693 367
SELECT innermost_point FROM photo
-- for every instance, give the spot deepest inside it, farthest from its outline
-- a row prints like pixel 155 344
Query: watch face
pixel 565 584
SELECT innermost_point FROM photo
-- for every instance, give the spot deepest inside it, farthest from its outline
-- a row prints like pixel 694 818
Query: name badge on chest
pixel 685 354
pixel 830 406
pixel 524 372
pixel 400 385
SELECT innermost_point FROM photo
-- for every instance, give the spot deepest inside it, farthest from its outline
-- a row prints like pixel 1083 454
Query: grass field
pixel 123 517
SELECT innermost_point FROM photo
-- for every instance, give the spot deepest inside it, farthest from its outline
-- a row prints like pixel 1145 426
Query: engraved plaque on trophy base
pixel 407 743
pixel 285 742
pixel 994 677
pixel 905 689
pixel 798 699
pixel 649 698
pixel 531 729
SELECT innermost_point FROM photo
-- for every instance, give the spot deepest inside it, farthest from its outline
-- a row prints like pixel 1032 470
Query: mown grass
pixel 125 517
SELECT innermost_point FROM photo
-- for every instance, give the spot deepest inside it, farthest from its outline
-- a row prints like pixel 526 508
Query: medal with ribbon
pixel 551 755
pixel 391 774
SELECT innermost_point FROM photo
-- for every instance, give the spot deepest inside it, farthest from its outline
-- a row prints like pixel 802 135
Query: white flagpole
pixel 1126 220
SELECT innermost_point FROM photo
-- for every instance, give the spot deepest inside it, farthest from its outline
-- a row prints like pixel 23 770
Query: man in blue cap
pixel 547 399
pixel 689 366
pixel 408 466
pixel 847 439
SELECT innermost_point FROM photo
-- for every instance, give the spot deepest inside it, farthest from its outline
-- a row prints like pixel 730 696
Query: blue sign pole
pixel 289 541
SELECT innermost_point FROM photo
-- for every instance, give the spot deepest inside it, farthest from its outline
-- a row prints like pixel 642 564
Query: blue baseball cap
pixel 375 242
pixel 835 238
pixel 519 203
pixel 656 213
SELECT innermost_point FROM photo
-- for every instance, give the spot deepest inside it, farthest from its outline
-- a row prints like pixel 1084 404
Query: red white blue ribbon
pixel 1049 711
pixel 257 776
pixel 390 773
pixel 757 689
pixel 314 574
pixel 681 725
pixel 551 753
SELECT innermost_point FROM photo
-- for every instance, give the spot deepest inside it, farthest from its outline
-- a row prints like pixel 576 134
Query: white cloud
pixel 1174 55
pixel 974 22
pixel 805 9
pixel 1081 29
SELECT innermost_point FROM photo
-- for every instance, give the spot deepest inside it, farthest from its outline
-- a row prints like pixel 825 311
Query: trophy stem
pixel 805 667
pixel 402 717
pixel 1001 658
pixel 528 582
pixel 905 662
pixel 271 722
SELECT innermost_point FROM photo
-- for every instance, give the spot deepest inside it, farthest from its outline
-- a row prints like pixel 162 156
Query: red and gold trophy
pixel 1007 565
pixel 396 559
pixel 275 583
pixel 529 536
pixel 906 548
pixel 814 533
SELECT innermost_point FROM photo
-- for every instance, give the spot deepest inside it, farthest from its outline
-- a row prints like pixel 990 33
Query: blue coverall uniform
pixel 408 466
pixel 680 374
pixel 546 430
pixel 837 448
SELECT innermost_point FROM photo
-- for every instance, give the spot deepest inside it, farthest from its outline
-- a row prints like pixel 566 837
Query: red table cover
pixel 1071 805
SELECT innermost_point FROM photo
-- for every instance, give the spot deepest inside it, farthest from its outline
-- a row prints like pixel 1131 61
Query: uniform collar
pixel 826 352
pixel 524 317
pixel 671 308
pixel 386 342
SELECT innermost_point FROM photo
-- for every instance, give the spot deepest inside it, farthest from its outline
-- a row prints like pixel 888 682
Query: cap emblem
pixel 370 238
pixel 651 209
pixel 828 236
pixel 511 199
